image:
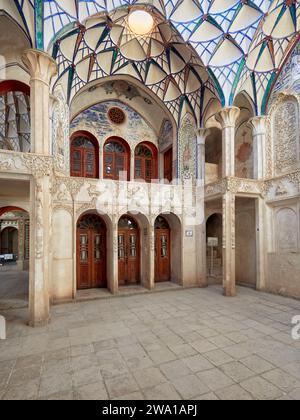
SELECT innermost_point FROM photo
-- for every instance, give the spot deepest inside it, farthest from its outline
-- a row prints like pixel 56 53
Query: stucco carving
pixel 286 135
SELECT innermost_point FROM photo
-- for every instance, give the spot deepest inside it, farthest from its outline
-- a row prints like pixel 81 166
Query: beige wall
pixel 62 248
pixel 245 241
pixel 284 274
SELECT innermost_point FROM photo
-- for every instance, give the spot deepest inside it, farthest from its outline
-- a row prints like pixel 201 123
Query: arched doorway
pixel 128 251
pixel 162 250
pixel 9 241
pixel 116 158
pixel 214 236
pixel 91 252
pixel 145 163
pixel 84 155
pixel 14 257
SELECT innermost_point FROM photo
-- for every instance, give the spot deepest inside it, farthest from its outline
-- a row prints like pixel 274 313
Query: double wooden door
pixel 128 254
pixel 162 251
pixel 91 253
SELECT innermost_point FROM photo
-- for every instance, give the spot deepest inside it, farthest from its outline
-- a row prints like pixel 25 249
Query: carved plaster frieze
pixel 38 165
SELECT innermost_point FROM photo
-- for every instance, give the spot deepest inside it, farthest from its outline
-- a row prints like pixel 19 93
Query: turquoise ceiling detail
pixel 242 42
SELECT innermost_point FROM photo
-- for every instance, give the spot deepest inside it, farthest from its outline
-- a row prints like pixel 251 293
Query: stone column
pixel 132 161
pixel 151 245
pixel 261 241
pixel 227 117
pixel 40 212
pixel 41 67
pixel 202 134
pixel 229 244
pixel 21 244
pixel 113 281
pixel 258 125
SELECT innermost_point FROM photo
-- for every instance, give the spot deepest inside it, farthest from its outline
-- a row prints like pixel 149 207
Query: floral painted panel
pixel 187 148
pixel 244 152
pixel 134 129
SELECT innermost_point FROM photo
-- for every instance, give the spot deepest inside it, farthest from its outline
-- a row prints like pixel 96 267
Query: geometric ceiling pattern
pixel 241 42
pixel 105 45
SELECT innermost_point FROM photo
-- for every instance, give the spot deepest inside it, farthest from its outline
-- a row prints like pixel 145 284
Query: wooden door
pixel 128 254
pixel 91 253
pixel 162 251
pixel 168 165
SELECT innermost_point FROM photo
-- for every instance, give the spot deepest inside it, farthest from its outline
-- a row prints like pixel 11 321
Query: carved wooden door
pixel 91 253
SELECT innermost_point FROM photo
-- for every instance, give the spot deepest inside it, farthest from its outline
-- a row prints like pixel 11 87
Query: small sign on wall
pixel 212 241
pixel 189 233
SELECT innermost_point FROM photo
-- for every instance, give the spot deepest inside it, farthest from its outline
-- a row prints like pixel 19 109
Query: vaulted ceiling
pixel 240 43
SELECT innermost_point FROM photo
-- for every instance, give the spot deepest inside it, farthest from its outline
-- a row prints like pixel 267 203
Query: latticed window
pixel 144 165
pixel 84 158
pixel 14 119
pixel 116 159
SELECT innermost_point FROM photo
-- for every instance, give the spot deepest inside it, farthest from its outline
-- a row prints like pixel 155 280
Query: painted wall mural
pixel 134 130
pixel 166 135
pixel 187 148
pixel 60 133
pixel 244 152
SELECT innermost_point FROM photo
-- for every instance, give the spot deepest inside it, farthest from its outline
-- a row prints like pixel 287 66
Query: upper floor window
pixel 14 116
pixel 145 166
pixel 84 156
pixel 115 159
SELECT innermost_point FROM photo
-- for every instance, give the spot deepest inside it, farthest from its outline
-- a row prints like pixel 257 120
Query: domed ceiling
pixel 106 45
pixel 243 43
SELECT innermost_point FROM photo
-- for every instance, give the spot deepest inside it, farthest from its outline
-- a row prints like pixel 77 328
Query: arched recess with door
pixel 214 257
pixel 84 155
pixel 162 250
pixel 116 158
pixel 145 162
pixel 91 244
pixel 129 252
pixel 168 248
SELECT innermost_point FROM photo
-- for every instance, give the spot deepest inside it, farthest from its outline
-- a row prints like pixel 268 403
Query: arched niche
pixel 244 157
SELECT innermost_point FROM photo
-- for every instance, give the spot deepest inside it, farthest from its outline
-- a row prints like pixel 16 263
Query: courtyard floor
pixel 183 344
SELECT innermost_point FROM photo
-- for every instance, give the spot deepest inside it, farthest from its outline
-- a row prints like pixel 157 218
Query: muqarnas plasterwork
pixel 134 130
pixel 289 77
pixel 187 148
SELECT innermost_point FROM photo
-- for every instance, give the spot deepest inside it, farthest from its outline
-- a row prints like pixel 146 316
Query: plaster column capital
pixel 202 134
pixel 41 65
pixel 227 117
pixel 258 125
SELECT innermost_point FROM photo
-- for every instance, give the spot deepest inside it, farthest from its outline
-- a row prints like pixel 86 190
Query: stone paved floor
pixel 187 344
pixel 14 286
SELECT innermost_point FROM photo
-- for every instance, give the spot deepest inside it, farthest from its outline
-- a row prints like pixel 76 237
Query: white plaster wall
pixel 62 266
pixel 284 274
pixel 246 243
